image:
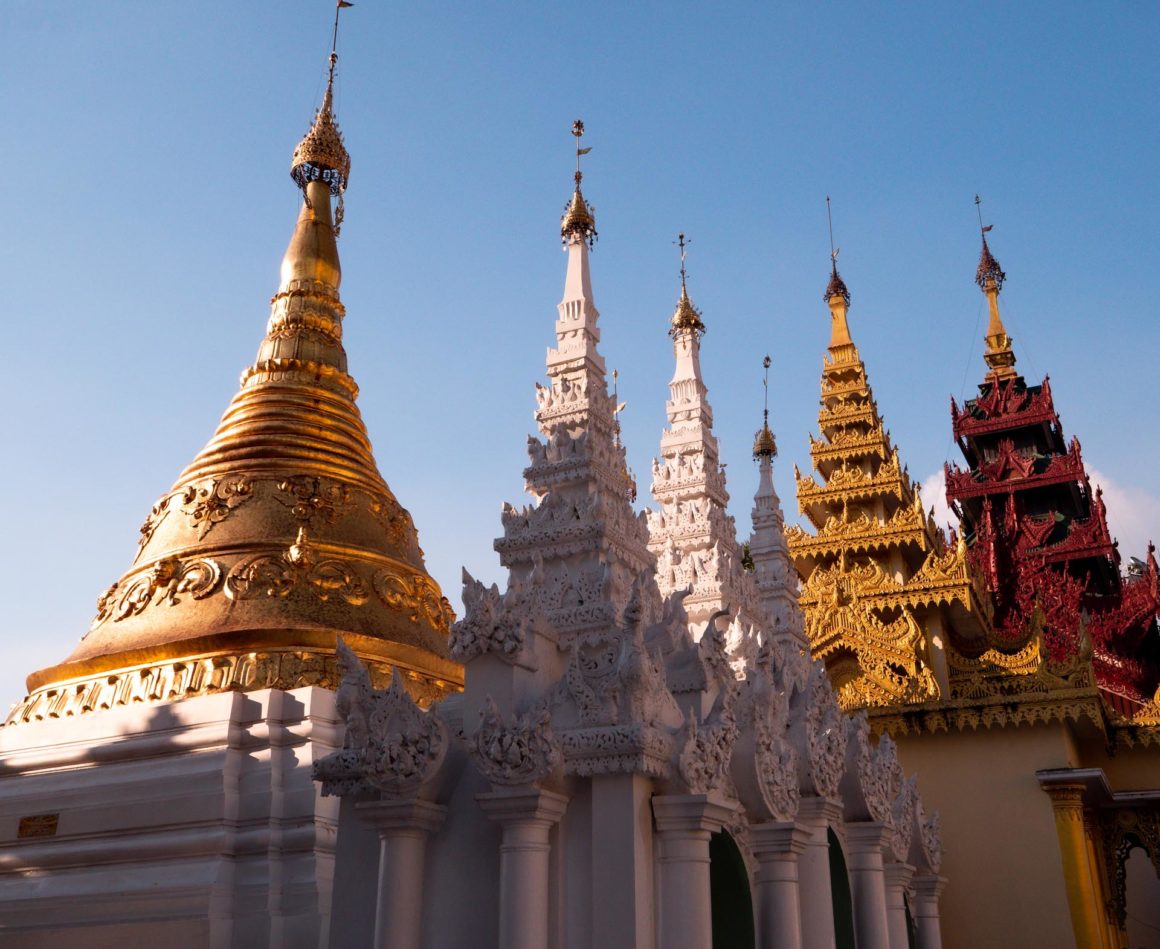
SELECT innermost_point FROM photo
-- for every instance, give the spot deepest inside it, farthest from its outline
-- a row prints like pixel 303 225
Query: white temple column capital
pixel 526 803
pixel 816 811
pixel 691 813
pixel 868 838
pixel 775 839
pixel 927 889
pixel 403 816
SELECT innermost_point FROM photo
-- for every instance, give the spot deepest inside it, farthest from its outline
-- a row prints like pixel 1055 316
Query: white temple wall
pixel 190 823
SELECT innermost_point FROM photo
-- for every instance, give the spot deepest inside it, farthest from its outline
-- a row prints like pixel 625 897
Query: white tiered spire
pixel 776 578
pixel 693 537
pixel 582 539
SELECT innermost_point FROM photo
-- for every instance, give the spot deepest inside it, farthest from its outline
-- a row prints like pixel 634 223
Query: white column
pixel 816 814
pixel 685 822
pixel 403 828
pixel 623 892
pixel 927 889
pixel 527 815
pixel 866 841
pixel 897 879
pixel 777 847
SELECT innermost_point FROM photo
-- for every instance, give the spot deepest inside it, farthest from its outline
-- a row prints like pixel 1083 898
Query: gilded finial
pixel 579 221
pixel 999 356
pixel 989 268
pixel 764 444
pixel 321 155
pixel 836 286
pixel 686 318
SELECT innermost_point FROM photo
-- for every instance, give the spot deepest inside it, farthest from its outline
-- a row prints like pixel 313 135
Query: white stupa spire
pixel 692 535
pixel 581 540
pixel 777 579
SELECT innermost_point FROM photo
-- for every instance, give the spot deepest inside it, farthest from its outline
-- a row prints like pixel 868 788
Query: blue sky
pixel 149 202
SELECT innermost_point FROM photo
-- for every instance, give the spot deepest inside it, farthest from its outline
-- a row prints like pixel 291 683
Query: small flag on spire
pixel 987 228
pixel 345 3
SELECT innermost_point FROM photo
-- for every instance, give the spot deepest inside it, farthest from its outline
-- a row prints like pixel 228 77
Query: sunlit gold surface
pixel 280 535
pixel 879 582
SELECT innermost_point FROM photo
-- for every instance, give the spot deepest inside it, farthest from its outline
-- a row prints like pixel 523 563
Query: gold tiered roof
pixel 281 534
pixel 878 578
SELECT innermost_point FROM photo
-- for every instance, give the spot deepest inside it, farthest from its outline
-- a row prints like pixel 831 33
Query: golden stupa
pixel 281 534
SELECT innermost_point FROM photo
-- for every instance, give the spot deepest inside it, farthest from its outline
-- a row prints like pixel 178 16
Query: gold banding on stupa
pixel 281 534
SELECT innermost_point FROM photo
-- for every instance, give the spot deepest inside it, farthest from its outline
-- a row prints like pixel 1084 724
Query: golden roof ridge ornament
pixel 999 356
pixel 686 317
pixel 764 444
pixel 579 220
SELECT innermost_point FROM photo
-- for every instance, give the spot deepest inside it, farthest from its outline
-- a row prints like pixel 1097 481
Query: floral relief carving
pixel 156 516
pixel 212 502
pixel 902 813
pixel 391 745
pixel 299 567
pixel 825 734
pixel 491 623
pixel 168 581
pixel 414 594
pixel 703 761
pixel 519 752
pixel 309 498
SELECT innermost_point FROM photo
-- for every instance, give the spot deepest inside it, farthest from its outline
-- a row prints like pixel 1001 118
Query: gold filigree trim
pixel 207 675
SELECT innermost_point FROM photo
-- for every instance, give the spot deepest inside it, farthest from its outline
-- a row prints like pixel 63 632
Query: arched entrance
pixel 729 895
pixel 843 901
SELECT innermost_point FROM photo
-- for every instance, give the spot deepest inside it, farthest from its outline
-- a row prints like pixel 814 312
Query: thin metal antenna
pixel 765 383
pixel 578 131
pixel 334 37
pixel 833 249
pixel 683 244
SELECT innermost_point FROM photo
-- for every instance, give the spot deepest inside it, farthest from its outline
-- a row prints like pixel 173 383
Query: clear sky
pixel 149 203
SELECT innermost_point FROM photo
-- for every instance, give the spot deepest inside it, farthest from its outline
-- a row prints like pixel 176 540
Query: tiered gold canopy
pixel 281 534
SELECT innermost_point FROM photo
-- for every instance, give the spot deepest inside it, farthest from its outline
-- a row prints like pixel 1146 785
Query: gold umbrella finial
pixel 579 221
pixel 686 318
pixel 764 444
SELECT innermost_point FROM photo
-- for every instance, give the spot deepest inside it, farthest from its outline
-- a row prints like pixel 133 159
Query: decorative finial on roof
pixel 321 155
pixel 626 475
pixel 989 268
pixel 764 445
pixel 836 286
pixel 686 317
pixel 579 221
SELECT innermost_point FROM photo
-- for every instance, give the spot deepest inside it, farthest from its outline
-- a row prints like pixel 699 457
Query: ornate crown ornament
pixel 989 269
pixel 321 155
pixel 686 317
pixel 579 220
pixel 836 287
pixel 764 444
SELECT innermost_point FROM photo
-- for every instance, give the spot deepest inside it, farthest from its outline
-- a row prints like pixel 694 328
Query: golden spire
pixel 764 445
pixel 838 299
pixel 579 221
pixel 281 534
pixel 686 317
pixel 999 356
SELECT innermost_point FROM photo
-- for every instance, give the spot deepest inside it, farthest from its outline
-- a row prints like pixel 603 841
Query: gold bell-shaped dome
pixel 281 534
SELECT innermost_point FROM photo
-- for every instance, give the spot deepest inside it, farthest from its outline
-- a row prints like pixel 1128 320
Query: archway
pixel 843 901
pixel 729 895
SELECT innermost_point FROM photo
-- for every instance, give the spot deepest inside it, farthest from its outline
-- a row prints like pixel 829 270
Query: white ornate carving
pixel 825 732
pixel 902 813
pixel 391 745
pixel 519 752
pixel 703 762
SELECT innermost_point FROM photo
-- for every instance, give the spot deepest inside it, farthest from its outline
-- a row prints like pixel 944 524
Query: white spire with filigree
pixel 777 579
pixel 582 540
pixel 692 536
